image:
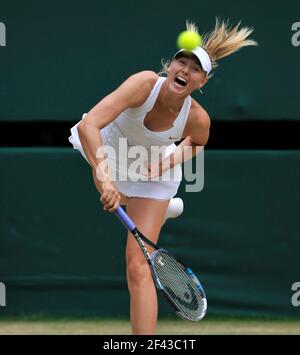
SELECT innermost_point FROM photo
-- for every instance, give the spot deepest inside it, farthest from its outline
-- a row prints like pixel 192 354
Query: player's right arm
pixel 132 93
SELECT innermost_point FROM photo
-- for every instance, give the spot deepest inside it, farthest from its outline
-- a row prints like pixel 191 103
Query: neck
pixel 169 101
pixel 172 110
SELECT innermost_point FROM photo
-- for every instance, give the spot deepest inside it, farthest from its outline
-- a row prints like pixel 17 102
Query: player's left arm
pixel 196 133
pixel 198 125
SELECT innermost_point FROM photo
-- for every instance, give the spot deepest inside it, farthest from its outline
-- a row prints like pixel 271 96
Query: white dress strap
pixel 180 123
pixel 154 94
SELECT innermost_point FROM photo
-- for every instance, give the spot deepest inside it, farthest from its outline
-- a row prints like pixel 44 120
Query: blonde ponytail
pixel 224 40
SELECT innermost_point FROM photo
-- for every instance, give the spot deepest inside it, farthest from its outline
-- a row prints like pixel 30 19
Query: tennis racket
pixel 176 282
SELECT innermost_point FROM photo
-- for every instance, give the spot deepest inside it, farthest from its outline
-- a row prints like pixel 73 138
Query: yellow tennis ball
pixel 189 40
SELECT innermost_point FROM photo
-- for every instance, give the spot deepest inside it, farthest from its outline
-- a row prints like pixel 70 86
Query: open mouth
pixel 180 81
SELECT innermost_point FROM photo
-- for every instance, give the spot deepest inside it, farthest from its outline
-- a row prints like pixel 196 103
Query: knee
pixel 138 273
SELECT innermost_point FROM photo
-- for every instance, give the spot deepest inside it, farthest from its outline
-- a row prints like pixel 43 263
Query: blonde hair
pixel 164 67
pixel 222 41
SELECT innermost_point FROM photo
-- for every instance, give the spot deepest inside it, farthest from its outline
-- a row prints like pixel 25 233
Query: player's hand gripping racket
pixel 177 283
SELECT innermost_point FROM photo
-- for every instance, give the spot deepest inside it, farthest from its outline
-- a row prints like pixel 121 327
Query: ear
pixel 166 66
pixel 204 81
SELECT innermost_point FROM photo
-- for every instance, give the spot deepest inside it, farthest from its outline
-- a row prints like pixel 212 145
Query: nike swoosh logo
pixel 174 138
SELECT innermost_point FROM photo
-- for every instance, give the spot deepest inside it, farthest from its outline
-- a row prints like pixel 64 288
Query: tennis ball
pixel 189 40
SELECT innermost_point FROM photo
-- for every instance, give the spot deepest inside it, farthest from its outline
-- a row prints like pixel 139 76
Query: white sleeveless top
pixel 130 125
pixel 131 122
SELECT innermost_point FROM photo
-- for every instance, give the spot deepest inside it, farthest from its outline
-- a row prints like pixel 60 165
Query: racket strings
pixel 180 288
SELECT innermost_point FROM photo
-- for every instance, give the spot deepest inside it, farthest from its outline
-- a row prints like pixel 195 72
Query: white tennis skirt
pixel 125 177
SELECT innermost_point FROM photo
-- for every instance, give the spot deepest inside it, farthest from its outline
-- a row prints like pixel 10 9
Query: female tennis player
pixel 152 110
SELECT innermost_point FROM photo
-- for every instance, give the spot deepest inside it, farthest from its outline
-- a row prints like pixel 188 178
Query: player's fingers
pixel 103 198
pixel 115 206
pixel 106 197
pixel 112 201
pixel 109 206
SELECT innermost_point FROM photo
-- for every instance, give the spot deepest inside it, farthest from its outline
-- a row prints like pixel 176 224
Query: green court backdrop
pixel 61 254
pixel 61 57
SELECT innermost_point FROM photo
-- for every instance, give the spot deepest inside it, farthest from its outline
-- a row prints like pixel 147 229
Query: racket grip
pixel 124 218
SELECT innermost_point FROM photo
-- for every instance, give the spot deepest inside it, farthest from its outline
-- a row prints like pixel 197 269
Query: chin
pixel 177 89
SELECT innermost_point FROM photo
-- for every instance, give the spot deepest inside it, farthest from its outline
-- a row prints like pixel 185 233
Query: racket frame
pixel 140 238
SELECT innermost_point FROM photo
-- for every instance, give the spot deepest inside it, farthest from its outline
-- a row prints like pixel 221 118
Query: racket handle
pixel 124 218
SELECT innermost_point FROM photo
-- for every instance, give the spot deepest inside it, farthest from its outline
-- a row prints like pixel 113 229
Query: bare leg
pixel 148 215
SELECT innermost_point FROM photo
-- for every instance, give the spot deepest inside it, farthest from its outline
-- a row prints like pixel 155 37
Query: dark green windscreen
pixel 62 57
pixel 61 254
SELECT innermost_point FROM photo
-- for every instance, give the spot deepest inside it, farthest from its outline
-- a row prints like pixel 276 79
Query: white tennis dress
pixel 129 128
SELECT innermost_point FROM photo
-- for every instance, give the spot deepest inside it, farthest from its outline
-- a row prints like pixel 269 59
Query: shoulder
pixel 139 86
pixel 144 79
pixel 198 116
pixel 198 124
pixel 145 75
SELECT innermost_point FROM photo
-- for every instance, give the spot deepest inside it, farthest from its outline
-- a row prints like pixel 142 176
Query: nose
pixel 185 69
pixel 185 72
